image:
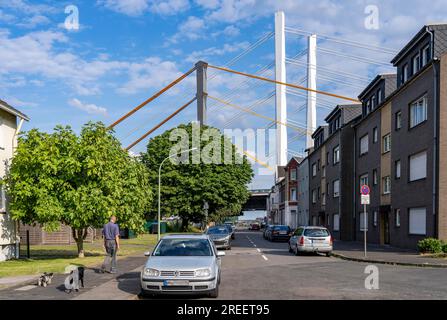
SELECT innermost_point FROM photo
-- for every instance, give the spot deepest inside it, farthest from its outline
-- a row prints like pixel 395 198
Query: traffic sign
pixel 364 199
pixel 364 190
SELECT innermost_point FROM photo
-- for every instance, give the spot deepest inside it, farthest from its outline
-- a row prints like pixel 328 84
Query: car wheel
pixel 328 254
pixel 215 292
pixel 145 294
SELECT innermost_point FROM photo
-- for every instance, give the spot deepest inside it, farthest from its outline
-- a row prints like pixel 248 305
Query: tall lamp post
pixel 159 186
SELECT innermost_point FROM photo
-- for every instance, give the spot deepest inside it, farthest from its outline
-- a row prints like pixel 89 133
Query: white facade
pixel 9 236
pixel 303 193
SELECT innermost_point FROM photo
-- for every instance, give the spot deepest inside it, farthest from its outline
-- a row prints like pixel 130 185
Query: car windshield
pixel 220 230
pixel 316 233
pixel 183 247
pixel 282 228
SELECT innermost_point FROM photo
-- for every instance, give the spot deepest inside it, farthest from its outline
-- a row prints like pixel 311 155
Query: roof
pixel 322 127
pixel 373 83
pixel 422 32
pixel 10 109
pixel 340 107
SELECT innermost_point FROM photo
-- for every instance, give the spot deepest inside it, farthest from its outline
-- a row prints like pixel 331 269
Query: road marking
pixel 265 258
pixel 259 250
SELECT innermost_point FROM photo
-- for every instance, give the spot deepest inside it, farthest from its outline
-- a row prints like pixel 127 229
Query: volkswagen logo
pixel 176 273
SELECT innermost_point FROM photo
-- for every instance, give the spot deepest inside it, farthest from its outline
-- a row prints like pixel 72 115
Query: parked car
pixel 182 264
pixel 255 226
pixel 231 229
pixel 280 232
pixel 311 239
pixel 220 236
pixel 267 230
pixel 263 224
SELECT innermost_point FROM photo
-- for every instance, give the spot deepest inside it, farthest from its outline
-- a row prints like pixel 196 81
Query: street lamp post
pixel 159 187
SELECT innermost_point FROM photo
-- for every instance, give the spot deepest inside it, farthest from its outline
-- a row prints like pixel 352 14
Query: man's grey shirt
pixel 110 231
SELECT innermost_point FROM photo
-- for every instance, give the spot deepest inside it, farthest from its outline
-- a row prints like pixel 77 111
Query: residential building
pixel 290 203
pixel 332 172
pixel 276 197
pixel 406 162
pixel 11 121
pixel 303 193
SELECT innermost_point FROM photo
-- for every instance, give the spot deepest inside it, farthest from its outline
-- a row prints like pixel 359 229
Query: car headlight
pixel 202 272
pixel 149 272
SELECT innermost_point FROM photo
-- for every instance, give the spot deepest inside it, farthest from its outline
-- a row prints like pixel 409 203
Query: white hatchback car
pixel 311 239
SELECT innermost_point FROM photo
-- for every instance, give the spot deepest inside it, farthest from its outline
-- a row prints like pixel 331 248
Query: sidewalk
pixel 351 250
pixel 98 286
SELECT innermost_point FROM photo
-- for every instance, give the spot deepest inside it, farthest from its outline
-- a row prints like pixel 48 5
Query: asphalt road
pixel 258 269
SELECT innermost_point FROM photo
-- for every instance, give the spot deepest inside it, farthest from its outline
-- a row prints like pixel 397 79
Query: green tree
pixel 185 187
pixel 79 181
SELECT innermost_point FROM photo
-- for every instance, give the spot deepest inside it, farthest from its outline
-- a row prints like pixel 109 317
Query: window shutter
pixel 418 166
pixel 418 221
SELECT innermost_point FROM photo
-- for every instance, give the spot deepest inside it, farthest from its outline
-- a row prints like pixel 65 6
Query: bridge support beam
pixel 201 75
pixel 281 102
pixel 311 95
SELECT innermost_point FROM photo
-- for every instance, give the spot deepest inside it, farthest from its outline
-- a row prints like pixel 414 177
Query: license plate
pixel 283 232
pixel 317 241
pixel 176 282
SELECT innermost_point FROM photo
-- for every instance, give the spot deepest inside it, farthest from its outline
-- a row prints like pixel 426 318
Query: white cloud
pixel 34 21
pixel 229 31
pixel 139 7
pixel 151 73
pixel 208 4
pixel 87 107
pixel 211 52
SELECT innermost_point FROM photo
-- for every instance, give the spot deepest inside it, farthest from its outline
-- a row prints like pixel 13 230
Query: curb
pixel 394 263
pixel 19 284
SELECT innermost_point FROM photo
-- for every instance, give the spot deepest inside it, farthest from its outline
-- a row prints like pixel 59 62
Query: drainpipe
pixel 354 199
pixel 435 132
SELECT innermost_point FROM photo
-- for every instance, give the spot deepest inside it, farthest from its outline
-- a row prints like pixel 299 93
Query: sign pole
pixel 364 227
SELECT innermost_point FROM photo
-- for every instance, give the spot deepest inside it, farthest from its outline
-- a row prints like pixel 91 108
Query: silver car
pixel 220 236
pixel 182 264
pixel 311 239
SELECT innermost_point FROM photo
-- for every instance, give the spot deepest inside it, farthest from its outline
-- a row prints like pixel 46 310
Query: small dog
pixel 45 279
pixel 70 285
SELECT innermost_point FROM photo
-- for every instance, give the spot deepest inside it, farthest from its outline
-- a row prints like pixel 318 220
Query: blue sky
pixel 125 51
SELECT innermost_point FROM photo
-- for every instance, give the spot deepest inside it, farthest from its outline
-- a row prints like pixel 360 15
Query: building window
pixel 398 120
pixel 397 217
pixel 368 106
pixel 318 165
pixel 375 178
pixel 323 199
pixel 293 194
pixel 327 158
pixel 336 222
pixel 416 63
pixel 336 155
pixel 375 135
pixel 319 193
pixel 418 112
pixel 387 143
pixel 362 221
pixel 336 188
pixel 405 73
pixel 314 196
pixel 314 170
pixel 314 220
pixel 293 174
pixel 375 218
pixel 373 102
pixel 363 180
pixel 379 96
pixel 364 145
pixel 417 221
pixel 418 166
pixel 387 185
pixel 425 55
pixel 397 169
pixel 2 198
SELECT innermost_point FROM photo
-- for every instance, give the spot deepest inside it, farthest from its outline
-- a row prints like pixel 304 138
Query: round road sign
pixel 364 190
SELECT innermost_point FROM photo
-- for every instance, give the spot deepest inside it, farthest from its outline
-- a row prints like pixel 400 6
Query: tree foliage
pixel 185 187
pixel 79 181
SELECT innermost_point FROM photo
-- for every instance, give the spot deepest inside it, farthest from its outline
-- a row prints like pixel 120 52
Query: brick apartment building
pixel 396 142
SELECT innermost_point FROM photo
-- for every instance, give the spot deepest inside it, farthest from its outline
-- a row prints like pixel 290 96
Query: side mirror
pixel 220 253
pixel 147 253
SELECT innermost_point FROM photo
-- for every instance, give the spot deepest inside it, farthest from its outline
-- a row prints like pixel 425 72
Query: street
pixel 258 269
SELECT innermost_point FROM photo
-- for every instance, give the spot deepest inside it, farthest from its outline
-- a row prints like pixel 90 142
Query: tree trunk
pixel 78 235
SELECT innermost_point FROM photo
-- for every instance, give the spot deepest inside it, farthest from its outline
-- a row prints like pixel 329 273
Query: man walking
pixel 111 235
